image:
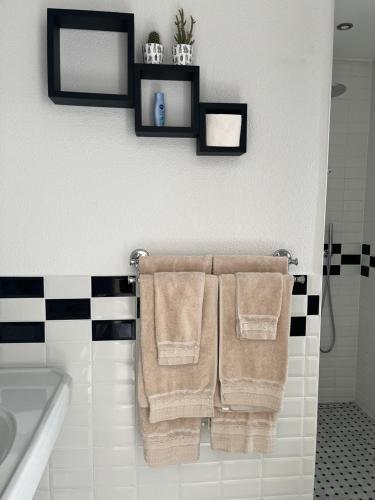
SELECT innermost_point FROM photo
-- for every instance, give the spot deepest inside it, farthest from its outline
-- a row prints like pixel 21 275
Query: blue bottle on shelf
pixel 159 109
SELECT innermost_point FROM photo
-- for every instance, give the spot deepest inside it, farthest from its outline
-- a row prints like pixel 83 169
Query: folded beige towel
pixel 178 316
pixel 252 373
pixel 230 264
pixel 258 301
pixel 240 432
pixel 179 391
pixel 170 442
pixel 175 263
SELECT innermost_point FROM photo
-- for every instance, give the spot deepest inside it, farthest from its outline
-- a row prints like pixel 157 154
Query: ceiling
pixel 358 42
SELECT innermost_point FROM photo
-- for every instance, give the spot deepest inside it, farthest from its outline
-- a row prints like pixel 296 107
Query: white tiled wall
pixel 345 209
pixel 98 455
pixel 365 391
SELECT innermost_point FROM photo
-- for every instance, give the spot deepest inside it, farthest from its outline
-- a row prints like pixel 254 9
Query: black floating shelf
pixel 86 20
pixel 222 108
pixel 166 72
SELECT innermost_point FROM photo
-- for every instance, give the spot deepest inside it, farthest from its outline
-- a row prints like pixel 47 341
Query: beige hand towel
pixel 179 391
pixel 170 442
pixel 230 264
pixel 178 316
pixel 175 263
pixel 252 373
pixel 258 301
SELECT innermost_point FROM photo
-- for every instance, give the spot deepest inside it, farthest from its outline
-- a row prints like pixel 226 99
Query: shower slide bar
pixel 140 252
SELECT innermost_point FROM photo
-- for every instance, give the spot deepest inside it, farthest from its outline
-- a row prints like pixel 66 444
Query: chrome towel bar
pixel 141 252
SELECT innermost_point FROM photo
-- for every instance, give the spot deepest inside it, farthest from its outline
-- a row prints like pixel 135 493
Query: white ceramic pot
pixel 182 54
pixel 223 130
pixel 153 53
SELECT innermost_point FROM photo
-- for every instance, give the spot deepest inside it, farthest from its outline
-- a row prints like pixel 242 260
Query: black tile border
pixel 336 248
pixel 124 329
pixel 298 326
pixel 365 271
pixel 19 287
pixel 20 332
pixel 351 259
pixel 313 305
pixel 365 249
pixel 300 288
pixel 112 286
pixel 66 309
pixel 370 261
pixel 116 329
pixel 335 270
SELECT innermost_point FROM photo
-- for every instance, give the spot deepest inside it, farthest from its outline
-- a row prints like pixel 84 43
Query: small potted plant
pixel 183 49
pixel 153 50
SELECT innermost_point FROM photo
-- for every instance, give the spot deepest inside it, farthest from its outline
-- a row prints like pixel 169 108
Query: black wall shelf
pixel 122 22
pixel 166 72
pixel 87 20
pixel 222 108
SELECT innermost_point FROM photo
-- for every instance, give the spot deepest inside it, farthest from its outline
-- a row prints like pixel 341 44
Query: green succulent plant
pixel 153 37
pixel 184 35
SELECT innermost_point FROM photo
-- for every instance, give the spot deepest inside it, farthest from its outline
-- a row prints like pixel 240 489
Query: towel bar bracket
pixel 285 253
pixel 282 252
pixel 134 261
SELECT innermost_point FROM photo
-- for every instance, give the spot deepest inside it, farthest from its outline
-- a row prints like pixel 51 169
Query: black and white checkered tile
pixel 343 256
pixel 367 261
pixel 26 303
pixel 110 302
pixel 345 454
pixel 349 256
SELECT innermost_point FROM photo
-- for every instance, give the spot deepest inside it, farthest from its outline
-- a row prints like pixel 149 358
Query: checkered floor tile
pixel 345 455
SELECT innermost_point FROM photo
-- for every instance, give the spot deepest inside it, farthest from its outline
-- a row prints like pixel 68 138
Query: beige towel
pixel 175 263
pixel 186 390
pixel 170 442
pixel 178 316
pixel 240 432
pixel 258 302
pixel 230 264
pixel 252 373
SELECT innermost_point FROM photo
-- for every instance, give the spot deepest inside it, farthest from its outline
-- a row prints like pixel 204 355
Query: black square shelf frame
pixel 87 20
pixel 222 108
pixel 166 72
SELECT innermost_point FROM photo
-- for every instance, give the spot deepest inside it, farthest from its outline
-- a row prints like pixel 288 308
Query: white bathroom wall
pixel 365 387
pixel 349 134
pixel 83 191
pixel 79 191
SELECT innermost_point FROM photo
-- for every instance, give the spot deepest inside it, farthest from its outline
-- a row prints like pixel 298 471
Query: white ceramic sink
pixel 33 405
pixel 8 427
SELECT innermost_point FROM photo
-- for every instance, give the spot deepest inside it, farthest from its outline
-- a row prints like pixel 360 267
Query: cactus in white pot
pixel 183 49
pixel 153 50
